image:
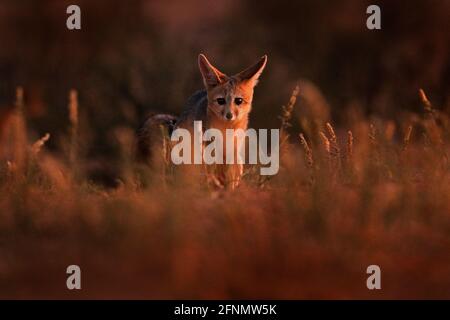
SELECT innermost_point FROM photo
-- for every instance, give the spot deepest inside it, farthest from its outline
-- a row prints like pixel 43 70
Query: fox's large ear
pixel 251 74
pixel 211 75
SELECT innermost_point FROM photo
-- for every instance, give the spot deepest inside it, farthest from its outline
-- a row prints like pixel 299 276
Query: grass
pixel 345 198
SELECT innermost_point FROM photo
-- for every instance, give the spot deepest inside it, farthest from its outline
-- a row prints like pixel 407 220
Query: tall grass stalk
pixel 73 109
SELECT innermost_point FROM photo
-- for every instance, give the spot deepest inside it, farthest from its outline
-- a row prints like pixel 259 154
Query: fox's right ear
pixel 211 75
pixel 252 74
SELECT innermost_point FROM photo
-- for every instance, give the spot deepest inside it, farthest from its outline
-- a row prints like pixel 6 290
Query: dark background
pixel 132 57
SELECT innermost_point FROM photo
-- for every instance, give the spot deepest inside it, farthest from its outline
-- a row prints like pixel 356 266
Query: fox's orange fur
pixel 225 103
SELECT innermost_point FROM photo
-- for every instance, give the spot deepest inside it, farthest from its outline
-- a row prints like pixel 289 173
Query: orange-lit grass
pixel 310 232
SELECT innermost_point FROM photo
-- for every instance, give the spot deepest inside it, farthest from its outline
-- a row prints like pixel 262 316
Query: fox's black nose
pixel 229 115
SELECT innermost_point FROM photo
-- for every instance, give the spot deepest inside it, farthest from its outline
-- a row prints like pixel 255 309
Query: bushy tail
pixel 149 134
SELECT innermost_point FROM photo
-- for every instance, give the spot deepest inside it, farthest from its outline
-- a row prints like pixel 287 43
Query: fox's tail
pixel 149 133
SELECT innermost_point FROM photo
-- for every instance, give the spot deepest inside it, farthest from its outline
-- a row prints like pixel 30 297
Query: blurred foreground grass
pixel 375 192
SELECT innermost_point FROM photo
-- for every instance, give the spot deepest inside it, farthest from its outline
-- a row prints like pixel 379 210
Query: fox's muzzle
pixel 228 116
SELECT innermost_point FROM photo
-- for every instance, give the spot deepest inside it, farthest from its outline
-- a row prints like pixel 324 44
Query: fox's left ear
pixel 211 75
pixel 252 74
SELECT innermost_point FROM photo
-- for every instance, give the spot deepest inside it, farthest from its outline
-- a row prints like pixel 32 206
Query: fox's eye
pixel 221 101
pixel 238 101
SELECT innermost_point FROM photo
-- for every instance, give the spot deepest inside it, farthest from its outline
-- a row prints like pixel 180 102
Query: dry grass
pixel 360 198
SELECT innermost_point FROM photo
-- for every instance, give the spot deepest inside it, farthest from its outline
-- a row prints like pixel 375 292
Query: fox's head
pixel 230 97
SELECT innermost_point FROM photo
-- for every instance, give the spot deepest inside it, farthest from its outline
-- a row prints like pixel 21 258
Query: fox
pixel 224 103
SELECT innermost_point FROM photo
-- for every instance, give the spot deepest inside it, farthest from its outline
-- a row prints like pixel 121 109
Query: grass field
pixel 375 192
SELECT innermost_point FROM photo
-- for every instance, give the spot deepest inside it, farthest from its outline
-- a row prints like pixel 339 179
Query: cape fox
pixel 224 103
